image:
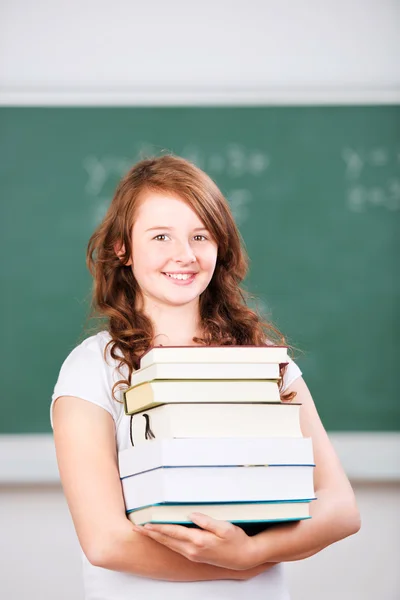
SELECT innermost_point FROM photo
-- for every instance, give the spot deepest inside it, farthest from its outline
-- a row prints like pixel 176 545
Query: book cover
pixel 194 485
pixel 205 371
pixel 252 512
pixel 145 395
pixel 215 452
pixel 214 420
pixel 210 354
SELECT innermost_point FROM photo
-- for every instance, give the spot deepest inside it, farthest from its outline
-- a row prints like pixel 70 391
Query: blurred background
pixel 294 109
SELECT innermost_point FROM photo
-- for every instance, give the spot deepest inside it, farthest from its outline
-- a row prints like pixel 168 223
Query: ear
pixel 120 252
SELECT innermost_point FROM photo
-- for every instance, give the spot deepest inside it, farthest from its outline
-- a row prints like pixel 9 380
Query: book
pixel 215 420
pixel 255 512
pixel 216 452
pixel 146 395
pixel 194 485
pixel 211 354
pixel 199 371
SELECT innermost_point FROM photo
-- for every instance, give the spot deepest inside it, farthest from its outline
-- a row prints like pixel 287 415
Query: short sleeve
pixel 292 373
pixel 85 374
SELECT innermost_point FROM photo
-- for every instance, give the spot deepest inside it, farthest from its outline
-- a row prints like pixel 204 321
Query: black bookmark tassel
pixel 148 434
pixel 130 430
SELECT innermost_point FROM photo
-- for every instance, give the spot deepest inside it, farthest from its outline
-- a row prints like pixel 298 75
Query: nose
pixel 184 253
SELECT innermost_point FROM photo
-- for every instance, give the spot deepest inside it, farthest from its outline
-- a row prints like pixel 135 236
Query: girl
pixel 167 263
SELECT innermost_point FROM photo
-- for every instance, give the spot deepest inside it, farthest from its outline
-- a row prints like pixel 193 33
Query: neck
pixel 174 325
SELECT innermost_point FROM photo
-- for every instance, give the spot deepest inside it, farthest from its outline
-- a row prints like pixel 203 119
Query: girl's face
pixel 173 255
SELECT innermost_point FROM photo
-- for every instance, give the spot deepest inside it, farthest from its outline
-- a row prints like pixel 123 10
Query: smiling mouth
pixel 180 276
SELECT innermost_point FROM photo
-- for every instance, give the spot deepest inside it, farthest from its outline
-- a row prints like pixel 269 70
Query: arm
pixel 334 513
pixel 87 458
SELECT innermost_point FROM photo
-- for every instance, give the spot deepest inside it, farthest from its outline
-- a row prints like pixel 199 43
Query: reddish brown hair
pixel 225 317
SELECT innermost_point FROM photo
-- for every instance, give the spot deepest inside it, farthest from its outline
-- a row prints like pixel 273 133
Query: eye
pixel 200 236
pixel 161 237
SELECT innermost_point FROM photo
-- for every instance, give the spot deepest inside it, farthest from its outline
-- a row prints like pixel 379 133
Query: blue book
pixel 253 517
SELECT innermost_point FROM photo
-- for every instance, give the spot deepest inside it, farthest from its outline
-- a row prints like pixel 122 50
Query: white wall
pixel 52 51
pixel 229 46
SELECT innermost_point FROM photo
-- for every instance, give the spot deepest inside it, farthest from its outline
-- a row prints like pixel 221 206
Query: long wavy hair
pixel 225 317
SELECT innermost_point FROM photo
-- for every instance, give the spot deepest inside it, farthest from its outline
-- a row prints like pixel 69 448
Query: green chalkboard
pixel 316 193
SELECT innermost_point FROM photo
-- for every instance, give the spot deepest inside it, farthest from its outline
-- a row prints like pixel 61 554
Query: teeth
pixel 179 275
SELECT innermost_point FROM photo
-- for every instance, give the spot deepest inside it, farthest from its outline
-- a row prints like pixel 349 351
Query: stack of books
pixel 210 434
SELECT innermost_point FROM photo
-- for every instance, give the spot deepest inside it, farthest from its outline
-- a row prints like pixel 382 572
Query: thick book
pixel 237 513
pixel 193 485
pixel 205 371
pixel 153 393
pixel 216 452
pixel 215 420
pixel 211 354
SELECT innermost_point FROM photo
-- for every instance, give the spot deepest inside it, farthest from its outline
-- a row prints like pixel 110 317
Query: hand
pixel 218 543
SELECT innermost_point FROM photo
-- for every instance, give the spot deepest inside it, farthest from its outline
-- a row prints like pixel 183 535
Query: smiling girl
pixel 167 263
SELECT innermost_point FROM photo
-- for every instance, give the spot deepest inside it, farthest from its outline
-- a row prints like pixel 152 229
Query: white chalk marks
pixel 233 161
pixel 371 174
pixel 372 179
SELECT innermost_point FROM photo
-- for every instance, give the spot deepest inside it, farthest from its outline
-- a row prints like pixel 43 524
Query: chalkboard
pixel 316 194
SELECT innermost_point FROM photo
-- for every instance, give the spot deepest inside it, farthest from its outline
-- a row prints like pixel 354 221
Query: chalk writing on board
pixel 357 160
pixel 101 170
pixel 360 197
pixel 239 201
pixel 372 179
pixel 232 160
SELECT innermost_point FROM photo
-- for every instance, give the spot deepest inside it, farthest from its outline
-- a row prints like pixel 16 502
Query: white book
pixel 217 420
pixel 255 512
pixel 217 354
pixel 195 371
pixel 153 393
pixel 153 454
pixel 194 485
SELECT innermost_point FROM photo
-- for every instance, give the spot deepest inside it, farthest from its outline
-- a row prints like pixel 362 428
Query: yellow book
pixel 154 393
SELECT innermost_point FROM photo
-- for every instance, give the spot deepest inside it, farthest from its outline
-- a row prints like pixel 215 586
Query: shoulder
pixel 292 373
pixel 89 372
pixel 93 352
pixel 95 344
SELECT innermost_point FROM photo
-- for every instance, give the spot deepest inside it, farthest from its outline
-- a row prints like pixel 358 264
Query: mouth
pixel 180 278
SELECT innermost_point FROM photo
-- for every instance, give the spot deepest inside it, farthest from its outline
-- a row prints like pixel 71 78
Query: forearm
pixel 332 520
pixel 133 553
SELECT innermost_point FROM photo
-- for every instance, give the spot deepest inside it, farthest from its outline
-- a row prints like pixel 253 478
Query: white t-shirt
pixel 85 374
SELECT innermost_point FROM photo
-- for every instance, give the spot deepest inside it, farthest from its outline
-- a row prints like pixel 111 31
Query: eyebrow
pixel 170 228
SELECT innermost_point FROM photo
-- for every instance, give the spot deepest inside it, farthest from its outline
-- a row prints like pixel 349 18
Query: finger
pixel 219 528
pixel 171 543
pixel 177 532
